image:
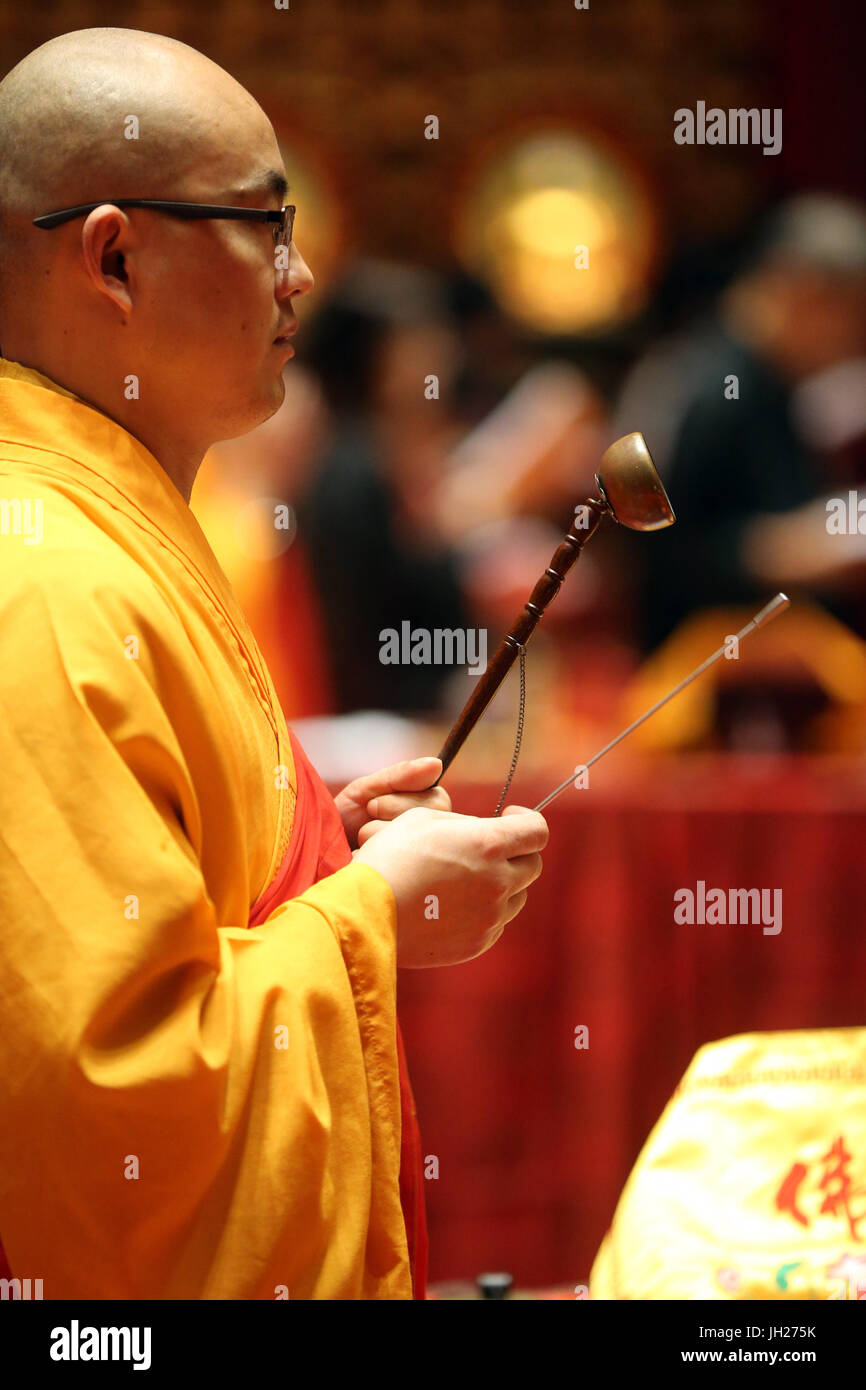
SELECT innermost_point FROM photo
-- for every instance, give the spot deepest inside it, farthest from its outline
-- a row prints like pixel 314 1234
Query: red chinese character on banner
pixel 786 1197
pixel 835 1183
pixel 839 1199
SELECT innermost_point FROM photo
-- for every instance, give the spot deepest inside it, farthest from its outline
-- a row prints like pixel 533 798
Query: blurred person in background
pixel 444 462
pixel 383 332
pixel 759 417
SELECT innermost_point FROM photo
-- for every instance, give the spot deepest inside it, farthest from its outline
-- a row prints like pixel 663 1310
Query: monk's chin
pixel 267 404
pixel 278 395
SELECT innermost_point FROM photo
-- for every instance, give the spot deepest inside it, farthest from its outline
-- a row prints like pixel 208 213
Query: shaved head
pixel 64 118
pixel 102 114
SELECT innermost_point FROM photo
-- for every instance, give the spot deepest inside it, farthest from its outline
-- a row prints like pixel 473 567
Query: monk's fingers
pixel 413 775
pixel 517 831
pixel 514 905
pixel 393 805
pixel 368 829
pixel 524 870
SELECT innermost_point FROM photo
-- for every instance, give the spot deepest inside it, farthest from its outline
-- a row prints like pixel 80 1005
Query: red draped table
pixel 533 1138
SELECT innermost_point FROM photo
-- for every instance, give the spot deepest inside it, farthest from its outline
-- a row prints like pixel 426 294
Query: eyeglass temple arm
pixel 188 210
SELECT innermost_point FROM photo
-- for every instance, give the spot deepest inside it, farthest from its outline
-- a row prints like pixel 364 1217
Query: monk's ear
pixel 105 238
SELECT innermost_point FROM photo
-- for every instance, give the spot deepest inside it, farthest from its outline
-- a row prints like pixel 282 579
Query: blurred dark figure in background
pixel 384 350
pixel 758 415
pixel 444 455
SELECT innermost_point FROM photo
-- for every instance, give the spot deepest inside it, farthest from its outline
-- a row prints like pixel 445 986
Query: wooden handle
pixel 546 589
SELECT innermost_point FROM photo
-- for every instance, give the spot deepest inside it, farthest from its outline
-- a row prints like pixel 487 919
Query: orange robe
pixel 196 1101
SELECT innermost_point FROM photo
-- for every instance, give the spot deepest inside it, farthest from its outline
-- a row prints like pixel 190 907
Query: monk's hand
pixel 457 880
pixel 368 803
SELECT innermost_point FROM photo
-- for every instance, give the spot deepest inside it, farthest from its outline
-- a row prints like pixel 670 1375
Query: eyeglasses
pixel 283 220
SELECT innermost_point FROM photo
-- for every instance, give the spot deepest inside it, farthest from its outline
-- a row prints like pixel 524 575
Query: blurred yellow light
pixel 531 213
pixel 546 222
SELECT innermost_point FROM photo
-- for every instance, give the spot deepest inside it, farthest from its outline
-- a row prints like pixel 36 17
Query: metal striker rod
pixel 768 612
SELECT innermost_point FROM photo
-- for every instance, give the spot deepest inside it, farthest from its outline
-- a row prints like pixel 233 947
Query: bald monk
pixel 200 1070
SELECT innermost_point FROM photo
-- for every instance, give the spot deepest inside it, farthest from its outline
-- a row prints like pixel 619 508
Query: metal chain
pixel 517 741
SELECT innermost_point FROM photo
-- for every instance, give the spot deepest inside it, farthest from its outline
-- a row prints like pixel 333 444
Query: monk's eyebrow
pixel 270 184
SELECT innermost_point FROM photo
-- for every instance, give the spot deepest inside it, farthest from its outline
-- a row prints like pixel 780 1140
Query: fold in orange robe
pixel 190 1106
